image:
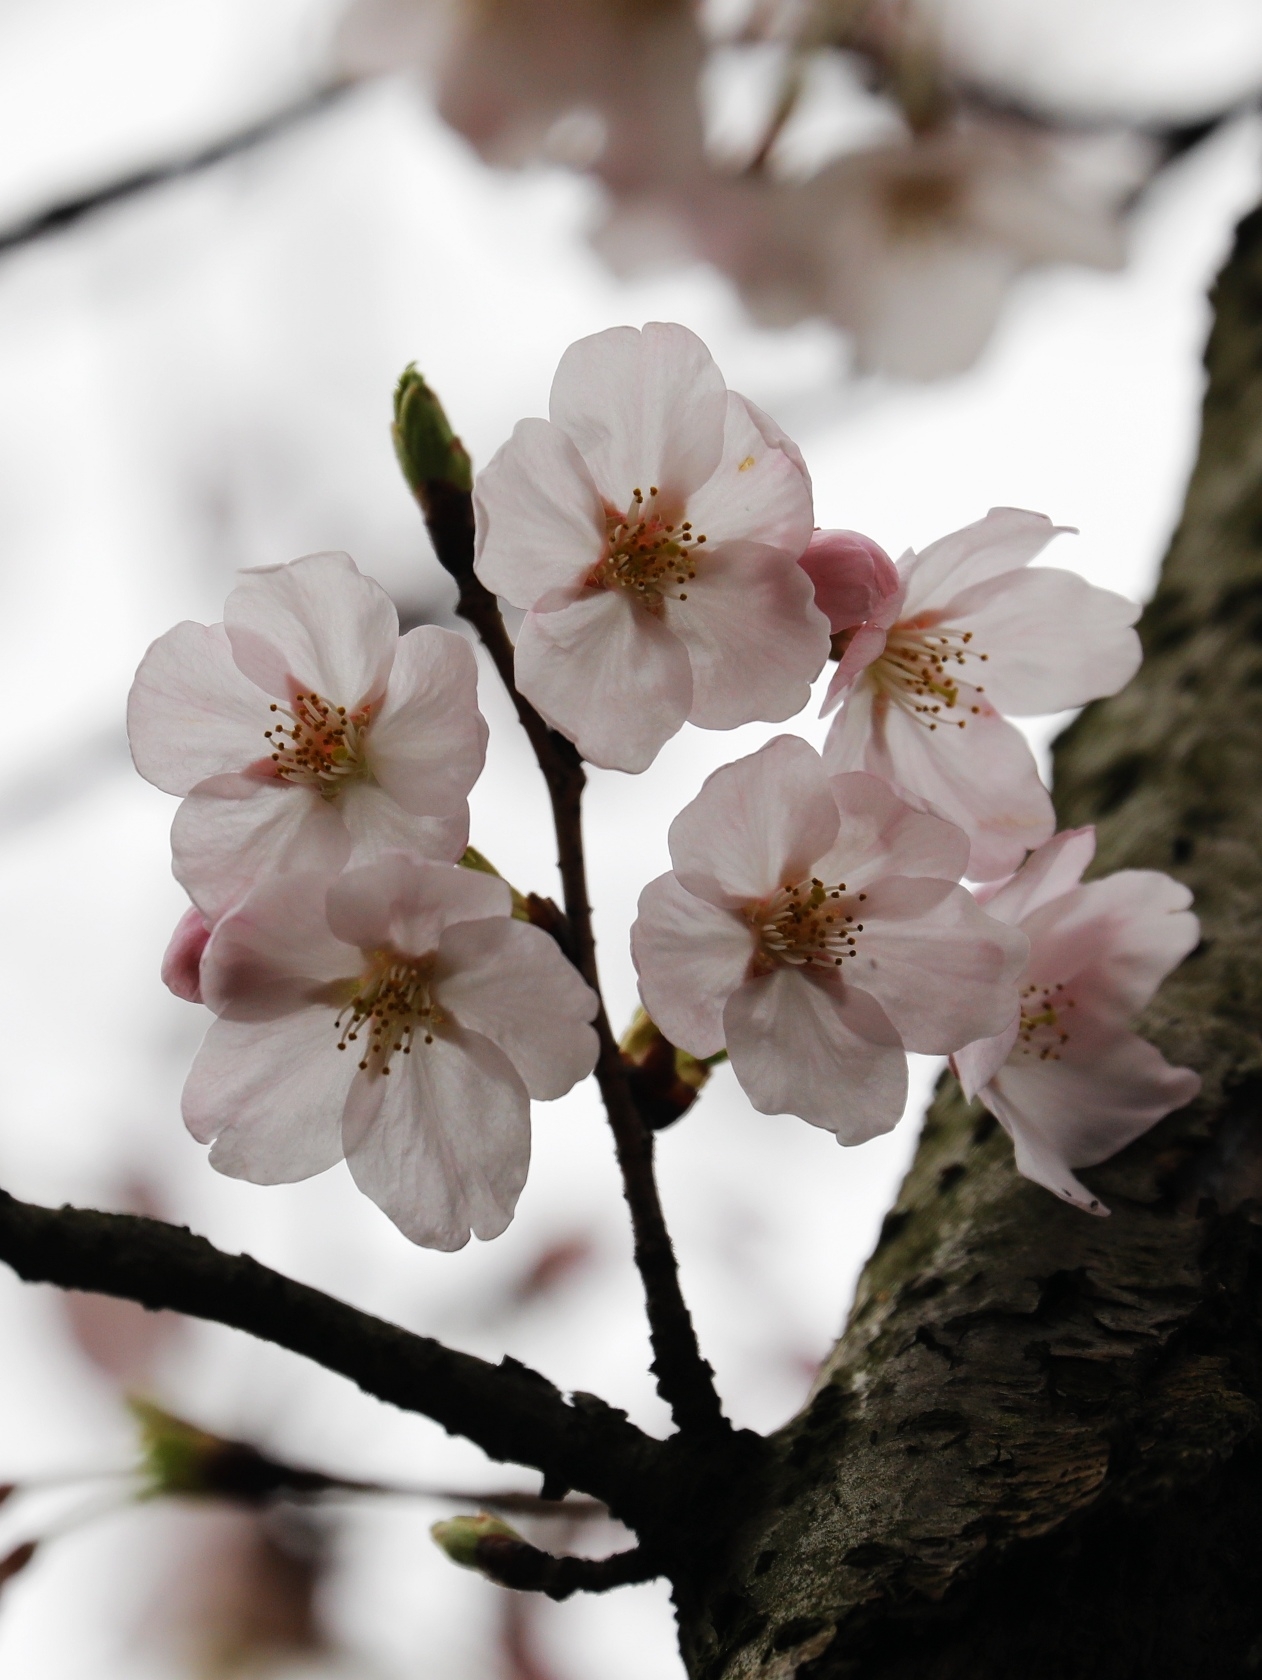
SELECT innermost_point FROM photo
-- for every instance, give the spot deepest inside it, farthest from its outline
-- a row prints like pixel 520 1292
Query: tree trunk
pixel 1036 1451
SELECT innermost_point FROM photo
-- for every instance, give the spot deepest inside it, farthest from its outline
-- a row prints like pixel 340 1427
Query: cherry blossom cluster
pixel 379 1002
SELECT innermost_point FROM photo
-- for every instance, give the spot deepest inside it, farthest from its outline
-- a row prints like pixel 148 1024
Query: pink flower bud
pixel 181 965
pixel 853 576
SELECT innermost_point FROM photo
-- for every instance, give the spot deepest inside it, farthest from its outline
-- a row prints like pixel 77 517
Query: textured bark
pixel 1037 1448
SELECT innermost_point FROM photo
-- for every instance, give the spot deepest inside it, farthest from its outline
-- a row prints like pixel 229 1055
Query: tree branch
pixel 525 1568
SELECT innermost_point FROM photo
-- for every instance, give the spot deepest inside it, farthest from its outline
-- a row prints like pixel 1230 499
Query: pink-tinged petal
pixel 757 825
pixel 881 834
pixel 982 777
pixel 191 714
pixel 231 831
pixel 1046 874
pixel 773 435
pixel 755 638
pixel 1051 640
pixel 275 953
pixel 852 577
pixel 758 492
pixel 316 624
pixel 540 517
pixel 510 983
pixel 376 824
pixel 978 1063
pixel 427 745
pixel 644 409
pixel 607 674
pixel 269 1096
pixel 406 902
pixel 943 971
pixel 442 1142
pixel 1006 539
pixel 690 957
pixel 182 961
pixel 1062 1114
pixel 825 1053
pixel 863 649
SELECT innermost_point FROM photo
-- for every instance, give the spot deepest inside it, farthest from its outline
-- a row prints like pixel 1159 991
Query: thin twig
pixel 684 1379
pixel 517 1564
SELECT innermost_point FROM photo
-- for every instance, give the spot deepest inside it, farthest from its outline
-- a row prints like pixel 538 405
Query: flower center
pixel 807 925
pixel 1041 1033
pixel 917 672
pixel 390 1002
pixel 647 557
pixel 322 745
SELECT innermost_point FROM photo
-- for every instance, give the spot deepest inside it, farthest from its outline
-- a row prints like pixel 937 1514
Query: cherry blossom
pixel 304 732
pixel 182 962
pixel 972 636
pixel 813 927
pixel 397 1016
pixel 652 529
pixel 1068 1080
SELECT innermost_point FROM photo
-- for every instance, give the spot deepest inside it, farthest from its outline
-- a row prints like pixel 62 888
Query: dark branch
pixel 69 211
pixel 514 1563
pixel 511 1412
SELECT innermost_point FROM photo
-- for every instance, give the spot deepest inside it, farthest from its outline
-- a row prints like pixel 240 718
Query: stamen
pixel 648 556
pixel 804 925
pixel 323 747
pixel 913 672
pixel 392 1000
pixel 1041 1033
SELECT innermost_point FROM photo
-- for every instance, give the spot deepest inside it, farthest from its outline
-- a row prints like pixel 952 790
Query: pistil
pixel 648 556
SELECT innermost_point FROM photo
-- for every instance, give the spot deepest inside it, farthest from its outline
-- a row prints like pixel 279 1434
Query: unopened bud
pixel 665 1080
pixel 429 452
pixel 460 1537
pixel 853 577
pixel 184 1461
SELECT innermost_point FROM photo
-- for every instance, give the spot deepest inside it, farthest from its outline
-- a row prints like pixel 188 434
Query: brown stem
pixel 684 1379
pixel 517 1564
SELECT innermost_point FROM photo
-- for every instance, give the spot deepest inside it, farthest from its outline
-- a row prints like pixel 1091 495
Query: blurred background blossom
pixel 1025 202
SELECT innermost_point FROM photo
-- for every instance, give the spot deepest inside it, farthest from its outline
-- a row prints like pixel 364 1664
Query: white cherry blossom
pixel 1069 1081
pixel 395 1015
pixel 813 927
pixel 972 636
pixel 304 732
pixel 651 528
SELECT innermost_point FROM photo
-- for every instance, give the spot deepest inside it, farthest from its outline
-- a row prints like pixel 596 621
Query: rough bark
pixel 1037 1448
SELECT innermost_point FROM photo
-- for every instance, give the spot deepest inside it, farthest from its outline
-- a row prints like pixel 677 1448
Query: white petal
pixel 828 1054
pixel 1046 874
pixel 511 983
pixel 269 1096
pixel 233 830
pixel 406 902
pixel 774 435
pixel 607 674
pixel 1005 539
pixel 1052 640
pixel 944 972
pixel 191 713
pixel 978 1063
pixel 757 825
pixel 690 957
pixel 315 624
pixel 376 824
pixel 275 952
pixel 540 517
pixel 427 745
pixel 644 408
pixel 442 1142
pixel 758 493
pixel 881 834
pixel 756 640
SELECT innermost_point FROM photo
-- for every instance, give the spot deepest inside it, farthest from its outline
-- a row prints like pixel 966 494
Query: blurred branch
pixel 67 212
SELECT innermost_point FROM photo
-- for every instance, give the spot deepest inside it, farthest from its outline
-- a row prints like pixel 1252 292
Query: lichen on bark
pixel 1037 1447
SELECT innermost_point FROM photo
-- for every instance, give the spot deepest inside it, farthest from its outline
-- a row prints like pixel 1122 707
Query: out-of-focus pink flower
pixel 395 1015
pixel 652 527
pixel 813 927
pixel 1068 1080
pixel 970 636
pixel 303 731
pixel 182 962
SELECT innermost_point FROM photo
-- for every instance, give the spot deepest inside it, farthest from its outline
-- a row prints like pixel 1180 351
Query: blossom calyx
pixel 428 450
pixel 182 1460
pixel 664 1080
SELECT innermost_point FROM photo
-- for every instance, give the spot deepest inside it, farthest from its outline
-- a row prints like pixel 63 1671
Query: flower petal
pixel 191 713
pixel 978 1063
pixel 510 983
pixel 852 577
pixel 376 824
pixel 690 957
pixel 759 492
pixel 406 902
pixel 540 517
pixel 231 831
pixel 864 648
pixel 442 1142
pixel 316 624
pixel 881 834
pixel 825 1053
pixel 644 409
pixel 182 961
pixel 269 1096
pixel 427 745
pixel 607 674
pixel 1004 540
pixel 275 953
pixel 757 825
pixel 755 638
pixel 1047 873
